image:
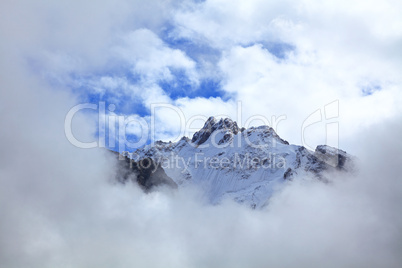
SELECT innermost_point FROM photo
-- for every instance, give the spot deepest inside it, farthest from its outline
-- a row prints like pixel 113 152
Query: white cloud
pixel 153 59
pixel 227 23
pixel 189 115
pixel 59 208
pixel 338 48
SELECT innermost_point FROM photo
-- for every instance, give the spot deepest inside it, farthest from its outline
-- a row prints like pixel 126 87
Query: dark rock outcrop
pixel 211 125
pixel 146 172
pixel 288 175
pixel 333 156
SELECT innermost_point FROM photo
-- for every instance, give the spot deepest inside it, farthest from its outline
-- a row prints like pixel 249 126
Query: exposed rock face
pixel 151 174
pixel 288 175
pixel 333 157
pixel 245 165
pixel 226 126
pixel 146 172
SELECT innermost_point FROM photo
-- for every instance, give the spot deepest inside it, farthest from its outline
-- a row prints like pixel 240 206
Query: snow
pixel 247 166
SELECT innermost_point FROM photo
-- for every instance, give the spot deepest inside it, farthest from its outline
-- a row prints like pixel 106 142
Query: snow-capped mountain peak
pixel 246 165
pixel 226 126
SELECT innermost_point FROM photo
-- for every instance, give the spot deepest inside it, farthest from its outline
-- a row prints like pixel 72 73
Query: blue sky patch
pixel 182 87
pixel 198 51
pixel 369 89
pixel 278 49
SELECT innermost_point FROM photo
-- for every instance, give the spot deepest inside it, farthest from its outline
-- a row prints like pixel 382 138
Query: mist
pixel 61 207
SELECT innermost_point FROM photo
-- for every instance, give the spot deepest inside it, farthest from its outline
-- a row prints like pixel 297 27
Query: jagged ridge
pixel 242 164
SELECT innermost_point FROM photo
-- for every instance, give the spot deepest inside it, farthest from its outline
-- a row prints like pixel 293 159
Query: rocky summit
pixel 225 161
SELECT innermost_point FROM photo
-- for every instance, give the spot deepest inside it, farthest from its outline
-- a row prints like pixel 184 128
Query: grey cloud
pixel 60 208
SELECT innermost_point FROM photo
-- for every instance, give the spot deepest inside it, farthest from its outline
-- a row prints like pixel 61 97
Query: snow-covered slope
pixel 246 165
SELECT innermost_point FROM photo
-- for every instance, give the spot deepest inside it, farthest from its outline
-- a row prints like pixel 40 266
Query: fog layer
pixel 59 206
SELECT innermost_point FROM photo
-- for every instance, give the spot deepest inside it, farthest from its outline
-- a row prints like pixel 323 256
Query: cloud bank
pixel 278 58
pixel 59 205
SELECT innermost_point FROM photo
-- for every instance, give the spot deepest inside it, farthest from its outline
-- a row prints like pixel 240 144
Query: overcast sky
pixel 272 58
